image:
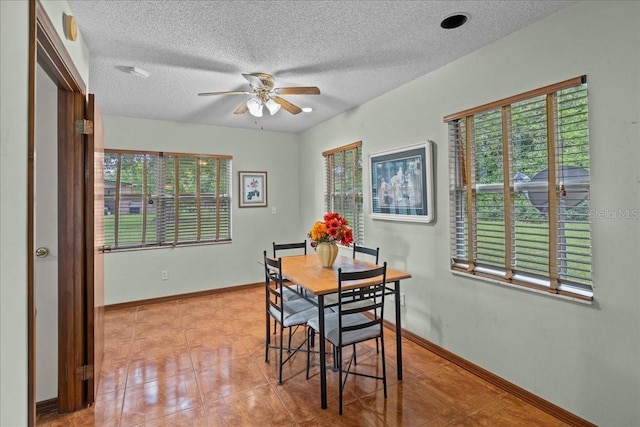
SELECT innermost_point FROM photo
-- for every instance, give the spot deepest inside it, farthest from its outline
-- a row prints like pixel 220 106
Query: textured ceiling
pixel 352 50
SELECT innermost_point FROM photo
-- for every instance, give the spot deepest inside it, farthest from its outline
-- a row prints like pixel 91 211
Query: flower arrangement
pixel 334 229
pixel 254 191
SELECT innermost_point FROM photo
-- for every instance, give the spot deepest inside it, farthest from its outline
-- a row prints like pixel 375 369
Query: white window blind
pixel 343 191
pixel 166 199
pixel 519 190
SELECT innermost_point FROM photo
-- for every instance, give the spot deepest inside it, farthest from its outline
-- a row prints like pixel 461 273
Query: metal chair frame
pixel 369 251
pixel 374 253
pixel 286 246
pixel 351 320
pixel 281 310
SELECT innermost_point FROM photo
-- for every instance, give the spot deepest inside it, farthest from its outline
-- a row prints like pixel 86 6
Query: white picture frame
pixel 401 184
pixel 253 189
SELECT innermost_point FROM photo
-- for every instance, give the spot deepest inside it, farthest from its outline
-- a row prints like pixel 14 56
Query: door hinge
pixel 84 127
pixel 84 372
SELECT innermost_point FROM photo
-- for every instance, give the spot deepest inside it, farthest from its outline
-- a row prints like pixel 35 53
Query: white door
pixel 46 236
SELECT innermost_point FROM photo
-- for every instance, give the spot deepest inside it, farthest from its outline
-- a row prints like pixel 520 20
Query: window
pixel 154 199
pixel 343 194
pixel 519 190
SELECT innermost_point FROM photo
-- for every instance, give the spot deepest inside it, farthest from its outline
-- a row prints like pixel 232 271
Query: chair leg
pixel 280 361
pixel 355 361
pixel 309 336
pixel 267 341
pixel 384 367
pixel 339 364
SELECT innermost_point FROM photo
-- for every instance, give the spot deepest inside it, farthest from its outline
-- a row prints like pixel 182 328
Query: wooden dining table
pixel 307 272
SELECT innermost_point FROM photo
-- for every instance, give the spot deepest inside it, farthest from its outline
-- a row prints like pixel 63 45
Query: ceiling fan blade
pixel 293 109
pixel 231 92
pixel 242 108
pixel 299 90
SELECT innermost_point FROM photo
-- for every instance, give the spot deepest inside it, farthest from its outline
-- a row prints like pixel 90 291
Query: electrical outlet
pixel 273 210
pixel 164 275
pixel 392 298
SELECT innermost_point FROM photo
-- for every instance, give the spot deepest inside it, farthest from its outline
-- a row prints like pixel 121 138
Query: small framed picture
pixel 253 189
pixel 402 184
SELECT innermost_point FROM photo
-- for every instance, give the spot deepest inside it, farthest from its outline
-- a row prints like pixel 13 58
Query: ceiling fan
pixel 264 94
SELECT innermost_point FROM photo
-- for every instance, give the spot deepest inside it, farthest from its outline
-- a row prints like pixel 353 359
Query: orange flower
pixel 318 231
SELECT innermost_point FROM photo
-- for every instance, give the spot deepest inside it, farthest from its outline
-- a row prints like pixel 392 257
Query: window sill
pixel 155 247
pixel 528 288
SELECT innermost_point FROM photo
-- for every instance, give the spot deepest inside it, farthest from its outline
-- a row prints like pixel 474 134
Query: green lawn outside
pixel 130 229
pixel 531 241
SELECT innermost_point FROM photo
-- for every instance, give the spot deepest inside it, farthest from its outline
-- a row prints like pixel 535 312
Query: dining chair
pixel 289 246
pixel 375 253
pixel 285 313
pixel 369 251
pixel 298 248
pixel 354 323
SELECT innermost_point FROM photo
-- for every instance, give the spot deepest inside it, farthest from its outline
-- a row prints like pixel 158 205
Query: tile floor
pixel 200 362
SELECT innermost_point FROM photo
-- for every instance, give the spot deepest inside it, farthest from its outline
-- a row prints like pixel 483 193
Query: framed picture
pixel 253 189
pixel 402 184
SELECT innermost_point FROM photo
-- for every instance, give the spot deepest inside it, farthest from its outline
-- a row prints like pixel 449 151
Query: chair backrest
pixel 273 283
pixel 367 297
pixel 365 250
pixel 286 246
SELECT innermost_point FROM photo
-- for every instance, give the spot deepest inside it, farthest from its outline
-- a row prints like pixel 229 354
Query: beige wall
pixel 135 275
pixel 14 49
pixel 584 358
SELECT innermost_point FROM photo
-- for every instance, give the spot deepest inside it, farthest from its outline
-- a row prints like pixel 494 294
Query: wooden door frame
pixel 47 50
pixel 94 244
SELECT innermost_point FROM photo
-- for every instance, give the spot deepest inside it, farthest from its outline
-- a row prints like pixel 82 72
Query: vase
pixel 327 252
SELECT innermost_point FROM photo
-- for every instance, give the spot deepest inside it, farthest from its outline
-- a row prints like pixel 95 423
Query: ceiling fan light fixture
pixel 307 109
pixel 272 106
pixel 263 93
pixel 255 107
